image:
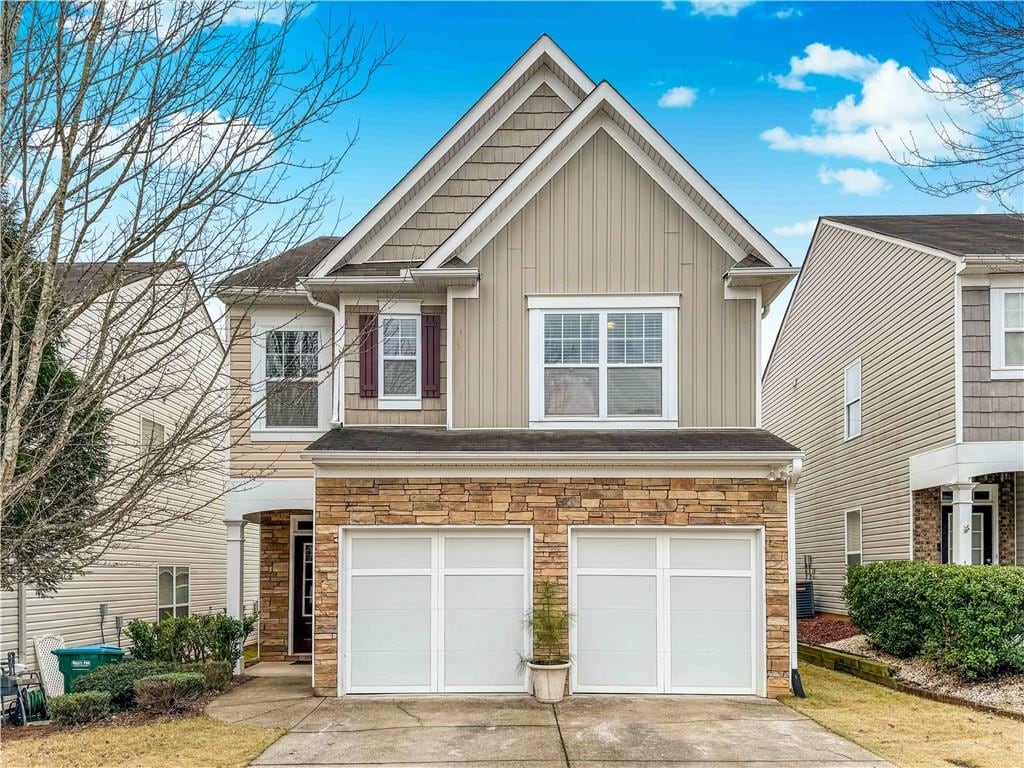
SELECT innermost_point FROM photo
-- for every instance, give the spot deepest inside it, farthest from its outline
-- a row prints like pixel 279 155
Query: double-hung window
pixel 399 360
pixel 854 537
pixel 173 591
pixel 612 365
pixel 292 365
pixel 1007 307
pixel 851 400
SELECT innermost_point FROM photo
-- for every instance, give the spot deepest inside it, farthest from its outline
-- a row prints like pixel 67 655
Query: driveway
pixel 518 732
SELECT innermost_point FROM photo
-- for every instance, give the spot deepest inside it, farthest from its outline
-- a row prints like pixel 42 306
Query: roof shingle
pixel 978 234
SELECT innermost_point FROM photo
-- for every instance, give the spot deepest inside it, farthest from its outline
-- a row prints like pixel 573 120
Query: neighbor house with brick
pixel 535 360
pixel 899 370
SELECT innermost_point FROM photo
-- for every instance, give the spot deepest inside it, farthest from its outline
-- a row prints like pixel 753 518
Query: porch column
pixel 962 531
pixel 236 572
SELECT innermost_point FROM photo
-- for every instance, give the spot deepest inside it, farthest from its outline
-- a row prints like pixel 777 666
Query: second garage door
pixel 666 611
pixel 434 610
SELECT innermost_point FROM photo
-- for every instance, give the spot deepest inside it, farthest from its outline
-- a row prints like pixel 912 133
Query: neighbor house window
pixel 853 537
pixel 173 591
pixel 151 434
pixel 602 365
pixel 399 357
pixel 851 399
pixel 1007 307
pixel 292 363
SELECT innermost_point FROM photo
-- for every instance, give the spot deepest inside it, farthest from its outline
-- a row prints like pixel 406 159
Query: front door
pixel 982 514
pixel 302 594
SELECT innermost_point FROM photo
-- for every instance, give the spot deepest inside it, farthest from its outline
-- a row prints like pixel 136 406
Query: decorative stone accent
pixel 927 525
pixel 275 540
pixel 550 506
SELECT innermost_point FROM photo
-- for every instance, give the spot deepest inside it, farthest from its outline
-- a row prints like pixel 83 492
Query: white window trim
pixel 174 604
pixel 847 401
pixel 264 321
pixel 385 402
pixel 667 304
pixel 997 328
pixel 846 535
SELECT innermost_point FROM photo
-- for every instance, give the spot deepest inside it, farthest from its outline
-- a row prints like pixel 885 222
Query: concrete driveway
pixel 518 732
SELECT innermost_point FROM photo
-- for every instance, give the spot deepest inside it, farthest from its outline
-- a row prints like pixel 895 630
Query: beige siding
pixel 602 225
pixel 480 175
pixel 363 410
pixel 893 308
pixel 993 408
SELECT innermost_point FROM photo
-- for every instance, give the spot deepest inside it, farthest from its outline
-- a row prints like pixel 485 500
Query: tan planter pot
pixel 549 681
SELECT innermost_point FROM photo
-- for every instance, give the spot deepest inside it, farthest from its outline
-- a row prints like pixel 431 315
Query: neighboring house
pixel 535 359
pixel 899 370
pixel 176 570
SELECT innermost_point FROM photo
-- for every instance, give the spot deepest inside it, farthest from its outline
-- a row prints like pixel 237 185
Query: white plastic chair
pixel 53 678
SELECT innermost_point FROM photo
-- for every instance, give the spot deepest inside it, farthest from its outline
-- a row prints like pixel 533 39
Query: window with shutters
pixel 851 400
pixel 399 361
pixel 612 365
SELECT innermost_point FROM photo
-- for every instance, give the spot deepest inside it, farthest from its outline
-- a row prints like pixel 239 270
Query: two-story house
pixel 899 370
pixel 536 359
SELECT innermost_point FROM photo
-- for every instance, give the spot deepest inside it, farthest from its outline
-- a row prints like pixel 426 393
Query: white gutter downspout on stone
pixel 794 476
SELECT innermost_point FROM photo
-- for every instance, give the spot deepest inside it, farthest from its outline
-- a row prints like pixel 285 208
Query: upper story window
pixel 1007 307
pixel 851 400
pixel 292 363
pixel 400 357
pixel 598 360
pixel 151 434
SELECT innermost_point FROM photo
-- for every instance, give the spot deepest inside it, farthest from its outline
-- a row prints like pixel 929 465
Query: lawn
pixel 909 731
pixel 193 741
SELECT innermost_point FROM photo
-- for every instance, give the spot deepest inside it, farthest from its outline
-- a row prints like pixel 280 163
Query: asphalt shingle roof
pixel 959 234
pixel 282 270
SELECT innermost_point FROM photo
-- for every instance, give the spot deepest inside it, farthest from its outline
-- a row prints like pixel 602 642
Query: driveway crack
pixel 561 738
pixel 407 712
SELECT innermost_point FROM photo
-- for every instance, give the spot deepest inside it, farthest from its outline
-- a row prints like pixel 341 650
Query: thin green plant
pixel 549 623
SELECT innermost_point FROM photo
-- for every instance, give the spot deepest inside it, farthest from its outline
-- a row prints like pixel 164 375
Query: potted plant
pixel 549 622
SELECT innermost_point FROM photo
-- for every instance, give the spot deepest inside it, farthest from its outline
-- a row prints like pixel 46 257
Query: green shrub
pixel 143 639
pixel 186 639
pixel 170 692
pixel 970 619
pixel 217 674
pixel 79 708
pixel 118 680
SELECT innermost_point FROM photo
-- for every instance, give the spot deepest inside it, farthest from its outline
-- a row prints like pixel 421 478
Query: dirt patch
pixel 820 631
pixel 1005 692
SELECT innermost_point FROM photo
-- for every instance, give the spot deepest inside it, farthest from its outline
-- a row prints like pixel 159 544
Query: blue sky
pixel 744 114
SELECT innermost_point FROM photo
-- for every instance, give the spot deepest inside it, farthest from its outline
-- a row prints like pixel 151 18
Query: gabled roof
pixel 283 270
pixel 980 234
pixel 87 279
pixel 605 109
pixel 544 62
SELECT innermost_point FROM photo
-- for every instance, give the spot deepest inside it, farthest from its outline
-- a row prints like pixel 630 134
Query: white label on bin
pixel 81 663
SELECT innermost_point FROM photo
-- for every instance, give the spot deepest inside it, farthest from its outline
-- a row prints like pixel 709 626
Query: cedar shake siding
pixel 993 408
pixel 893 308
pixel 549 506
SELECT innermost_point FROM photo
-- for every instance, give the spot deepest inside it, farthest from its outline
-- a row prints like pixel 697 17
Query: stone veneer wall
pixel 550 506
pixel 275 535
pixel 928 524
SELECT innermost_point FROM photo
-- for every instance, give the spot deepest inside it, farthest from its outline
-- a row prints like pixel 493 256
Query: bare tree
pixel 976 54
pixel 149 150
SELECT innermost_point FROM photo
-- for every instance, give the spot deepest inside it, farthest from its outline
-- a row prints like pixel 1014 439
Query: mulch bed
pixel 820 631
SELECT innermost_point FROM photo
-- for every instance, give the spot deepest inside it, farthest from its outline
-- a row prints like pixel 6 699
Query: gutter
pixel 605 458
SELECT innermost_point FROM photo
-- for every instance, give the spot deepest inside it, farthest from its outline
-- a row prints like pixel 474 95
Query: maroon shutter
pixel 431 340
pixel 367 355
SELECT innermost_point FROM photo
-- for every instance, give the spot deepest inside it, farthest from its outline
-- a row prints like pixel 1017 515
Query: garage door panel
pixel 390 592
pixel 484 591
pixel 623 630
pixel 487 668
pixel 483 552
pixel 714 670
pixel 390 552
pixel 710 554
pixel 710 631
pixel 606 552
pixel 708 593
pixel 616 592
pixel 384 669
pixel 616 669
pixel 390 630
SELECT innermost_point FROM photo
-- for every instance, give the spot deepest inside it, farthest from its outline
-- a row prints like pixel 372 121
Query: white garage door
pixel 666 611
pixel 428 610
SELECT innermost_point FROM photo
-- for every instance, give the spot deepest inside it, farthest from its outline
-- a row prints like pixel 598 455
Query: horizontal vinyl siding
pixel 602 225
pixel 893 308
pixel 993 408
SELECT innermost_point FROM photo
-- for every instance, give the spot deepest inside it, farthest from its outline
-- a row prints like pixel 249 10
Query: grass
pixel 907 730
pixel 193 741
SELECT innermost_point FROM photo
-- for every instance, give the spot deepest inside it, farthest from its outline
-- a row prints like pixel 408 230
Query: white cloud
pixel 679 97
pixel 863 182
pixel 821 59
pixel 265 13
pixel 800 229
pixel 787 13
pixel 668 5
pixel 891 112
pixel 718 7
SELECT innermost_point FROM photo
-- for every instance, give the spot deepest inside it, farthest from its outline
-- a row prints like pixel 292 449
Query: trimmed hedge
pixel 969 619
pixel 216 674
pixel 170 692
pixel 118 680
pixel 79 708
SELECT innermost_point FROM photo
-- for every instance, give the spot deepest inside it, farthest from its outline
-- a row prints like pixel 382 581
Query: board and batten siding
pixel 993 408
pixel 602 225
pixel 893 308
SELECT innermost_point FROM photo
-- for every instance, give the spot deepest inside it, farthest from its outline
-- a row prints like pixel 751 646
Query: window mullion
pixel 602 363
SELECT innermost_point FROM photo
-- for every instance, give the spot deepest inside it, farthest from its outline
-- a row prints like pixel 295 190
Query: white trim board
pixel 960 462
pixel 544 50
pixel 251 496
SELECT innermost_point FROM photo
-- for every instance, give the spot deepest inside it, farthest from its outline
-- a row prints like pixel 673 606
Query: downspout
pixel 337 362
pixel 794 476
pixel 22 624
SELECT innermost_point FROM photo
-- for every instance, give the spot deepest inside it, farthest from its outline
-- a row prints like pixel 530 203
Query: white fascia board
pixel 894 240
pixel 245 496
pixel 504 459
pixel 959 462
pixel 545 47
pixel 524 184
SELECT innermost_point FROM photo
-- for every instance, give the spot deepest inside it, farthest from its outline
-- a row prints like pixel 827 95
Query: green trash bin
pixel 83 659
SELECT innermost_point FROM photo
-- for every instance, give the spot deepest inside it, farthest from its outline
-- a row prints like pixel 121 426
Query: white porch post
pixel 236 572
pixel 962 531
